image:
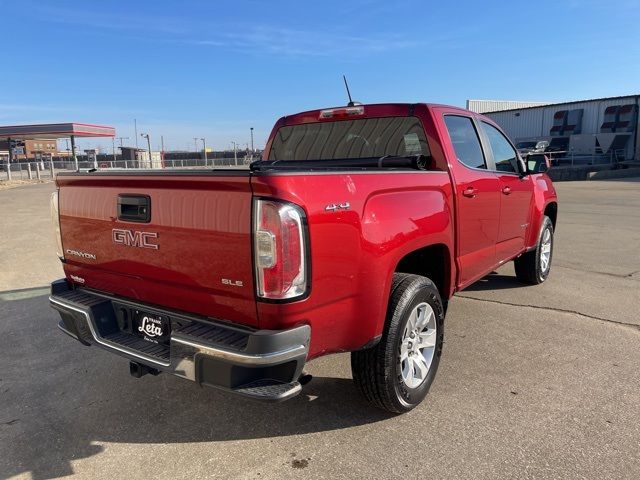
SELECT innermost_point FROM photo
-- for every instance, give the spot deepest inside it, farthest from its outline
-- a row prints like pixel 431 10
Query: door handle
pixel 506 190
pixel 469 192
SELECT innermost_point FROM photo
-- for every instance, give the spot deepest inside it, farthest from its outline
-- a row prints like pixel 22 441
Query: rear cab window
pixel 350 139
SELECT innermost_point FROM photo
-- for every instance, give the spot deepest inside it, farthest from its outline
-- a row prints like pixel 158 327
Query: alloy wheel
pixel 418 345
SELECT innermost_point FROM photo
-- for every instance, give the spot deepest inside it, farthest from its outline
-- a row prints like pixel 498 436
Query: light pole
pixel 235 153
pixel 162 149
pixel 251 154
pixel 204 149
pixel 10 159
pixel 146 135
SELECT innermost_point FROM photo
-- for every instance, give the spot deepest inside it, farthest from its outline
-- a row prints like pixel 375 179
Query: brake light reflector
pixel 345 112
pixel 280 250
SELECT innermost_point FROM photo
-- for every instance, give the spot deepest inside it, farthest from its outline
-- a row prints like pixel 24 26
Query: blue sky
pixel 213 69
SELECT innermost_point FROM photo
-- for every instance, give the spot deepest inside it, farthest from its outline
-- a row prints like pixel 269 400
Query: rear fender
pixel 395 224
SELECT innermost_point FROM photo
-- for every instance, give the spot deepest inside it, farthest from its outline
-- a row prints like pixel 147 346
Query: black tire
pixel 376 371
pixel 528 266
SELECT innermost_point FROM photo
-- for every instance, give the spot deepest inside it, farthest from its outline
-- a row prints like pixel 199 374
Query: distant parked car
pixel 529 147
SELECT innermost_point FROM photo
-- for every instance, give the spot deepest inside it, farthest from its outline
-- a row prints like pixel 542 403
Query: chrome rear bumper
pixel 264 364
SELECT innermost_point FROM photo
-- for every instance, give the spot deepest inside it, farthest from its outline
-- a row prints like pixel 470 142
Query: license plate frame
pixel 152 327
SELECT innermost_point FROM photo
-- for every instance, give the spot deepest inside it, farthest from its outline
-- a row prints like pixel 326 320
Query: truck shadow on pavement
pixel 495 281
pixel 62 401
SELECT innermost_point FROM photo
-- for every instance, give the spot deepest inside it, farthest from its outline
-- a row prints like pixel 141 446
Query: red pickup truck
pixel 350 235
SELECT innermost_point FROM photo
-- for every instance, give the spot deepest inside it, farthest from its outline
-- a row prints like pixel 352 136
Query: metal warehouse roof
pixel 487 106
pixel 602 99
pixel 52 131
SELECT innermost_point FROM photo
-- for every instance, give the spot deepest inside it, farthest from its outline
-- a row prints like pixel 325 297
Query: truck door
pixel 477 200
pixel 515 197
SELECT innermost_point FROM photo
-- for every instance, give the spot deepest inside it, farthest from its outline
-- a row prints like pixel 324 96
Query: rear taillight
pixel 280 250
pixel 55 221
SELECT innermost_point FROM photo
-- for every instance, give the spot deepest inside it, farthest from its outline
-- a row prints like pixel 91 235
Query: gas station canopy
pixel 53 131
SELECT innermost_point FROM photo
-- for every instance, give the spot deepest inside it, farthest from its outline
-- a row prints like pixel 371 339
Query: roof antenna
pixel 351 102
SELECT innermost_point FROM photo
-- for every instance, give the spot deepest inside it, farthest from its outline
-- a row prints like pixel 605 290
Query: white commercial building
pixel 604 127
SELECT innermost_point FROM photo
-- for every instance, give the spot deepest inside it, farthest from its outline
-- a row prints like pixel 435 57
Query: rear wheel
pixel 396 374
pixel 533 267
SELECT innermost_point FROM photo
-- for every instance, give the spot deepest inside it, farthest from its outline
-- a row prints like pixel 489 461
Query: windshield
pixel 526 145
pixel 363 138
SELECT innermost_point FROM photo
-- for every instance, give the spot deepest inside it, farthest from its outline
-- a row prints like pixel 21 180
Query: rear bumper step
pixel 261 364
pixel 269 390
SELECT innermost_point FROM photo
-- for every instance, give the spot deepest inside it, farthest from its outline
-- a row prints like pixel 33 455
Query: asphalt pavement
pixel 535 382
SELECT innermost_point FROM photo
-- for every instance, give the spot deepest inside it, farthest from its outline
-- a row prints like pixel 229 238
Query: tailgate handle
pixel 134 208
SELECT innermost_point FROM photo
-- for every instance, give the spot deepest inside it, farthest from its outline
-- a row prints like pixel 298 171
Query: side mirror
pixel 523 170
pixel 538 163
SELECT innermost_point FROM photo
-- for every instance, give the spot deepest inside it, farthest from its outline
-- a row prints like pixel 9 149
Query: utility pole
pixel 204 149
pixel 146 135
pixel 121 139
pixel 113 147
pixel 135 127
pixel 195 145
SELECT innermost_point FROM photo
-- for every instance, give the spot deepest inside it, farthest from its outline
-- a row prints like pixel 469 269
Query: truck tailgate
pixel 194 253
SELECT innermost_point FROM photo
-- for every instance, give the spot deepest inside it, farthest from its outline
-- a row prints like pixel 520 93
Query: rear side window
pixel 504 155
pixel 465 141
pixel 362 138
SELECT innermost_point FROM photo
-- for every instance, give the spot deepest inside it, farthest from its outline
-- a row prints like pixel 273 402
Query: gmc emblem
pixel 132 238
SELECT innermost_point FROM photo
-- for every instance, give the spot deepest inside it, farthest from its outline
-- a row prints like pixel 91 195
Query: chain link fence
pixel 568 158
pixel 47 169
